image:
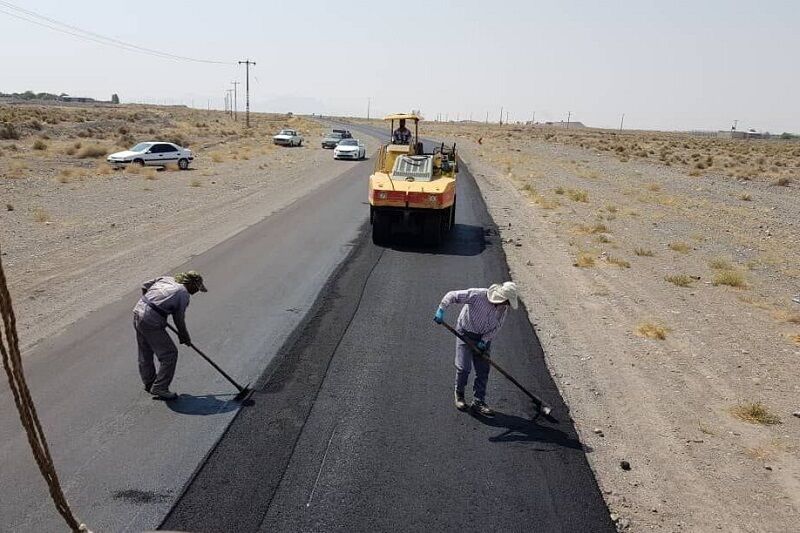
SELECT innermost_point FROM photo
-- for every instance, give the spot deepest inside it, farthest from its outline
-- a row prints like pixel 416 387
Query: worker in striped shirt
pixel 481 318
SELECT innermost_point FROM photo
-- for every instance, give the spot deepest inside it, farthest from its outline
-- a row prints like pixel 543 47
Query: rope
pixel 12 362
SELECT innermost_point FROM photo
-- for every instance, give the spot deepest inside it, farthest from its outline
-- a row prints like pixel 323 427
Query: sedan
pixel 288 138
pixel 331 139
pixel 152 153
pixel 350 149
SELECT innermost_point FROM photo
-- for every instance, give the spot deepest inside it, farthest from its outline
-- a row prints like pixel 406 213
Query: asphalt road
pixel 353 426
pixel 124 458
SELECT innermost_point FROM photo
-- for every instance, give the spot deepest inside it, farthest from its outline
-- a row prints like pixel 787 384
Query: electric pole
pixel 226 102
pixel 230 102
pixel 247 64
pixel 735 123
pixel 235 83
pixel 621 121
pixel 369 101
pixel 533 118
pixel 506 117
pixel 487 117
pixel 569 114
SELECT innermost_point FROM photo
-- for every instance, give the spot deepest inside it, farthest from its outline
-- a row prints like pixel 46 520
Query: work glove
pixel 439 316
pixel 482 346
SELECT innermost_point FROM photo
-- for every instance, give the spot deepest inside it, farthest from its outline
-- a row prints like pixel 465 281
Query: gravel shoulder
pixel 79 239
pixel 669 407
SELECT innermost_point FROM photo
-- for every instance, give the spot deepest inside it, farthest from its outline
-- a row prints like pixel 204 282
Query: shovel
pixel 543 409
pixel 244 392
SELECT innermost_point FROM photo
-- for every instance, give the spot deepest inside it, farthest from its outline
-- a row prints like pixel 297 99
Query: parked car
pixel 345 133
pixel 152 153
pixel 288 138
pixel 350 149
pixel 331 139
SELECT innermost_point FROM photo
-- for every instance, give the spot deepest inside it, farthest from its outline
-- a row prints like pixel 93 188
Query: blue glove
pixel 482 346
pixel 439 316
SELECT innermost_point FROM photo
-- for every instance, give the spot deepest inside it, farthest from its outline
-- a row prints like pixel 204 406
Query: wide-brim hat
pixel 192 276
pixel 505 292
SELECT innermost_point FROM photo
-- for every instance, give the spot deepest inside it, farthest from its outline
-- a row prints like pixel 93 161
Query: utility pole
pixel 226 102
pixel 230 102
pixel 533 118
pixel 506 117
pixel 247 64
pixel 501 115
pixel 369 101
pixel 735 123
pixel 569 114
pixel 621 121
pixel 487 117
pixel 235 106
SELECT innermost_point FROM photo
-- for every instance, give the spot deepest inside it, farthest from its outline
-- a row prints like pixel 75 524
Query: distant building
pixel 78 99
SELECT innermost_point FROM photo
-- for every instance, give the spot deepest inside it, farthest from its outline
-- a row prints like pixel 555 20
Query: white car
pixel 288 138
pixel 152 153
pixel 350 149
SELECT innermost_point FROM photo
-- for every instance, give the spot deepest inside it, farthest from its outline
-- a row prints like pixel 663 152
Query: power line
pixel 52 24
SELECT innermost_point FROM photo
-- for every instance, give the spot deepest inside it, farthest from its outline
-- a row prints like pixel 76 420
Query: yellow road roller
pixel 412 191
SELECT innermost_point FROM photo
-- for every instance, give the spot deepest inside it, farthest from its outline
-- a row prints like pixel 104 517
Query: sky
pixel 677 65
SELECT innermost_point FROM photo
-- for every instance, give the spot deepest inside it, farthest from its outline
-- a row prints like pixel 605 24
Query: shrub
pixel 584 260
pixel 649 330
pixel 681 247
pixel 578 195
pixel 643 252
pixel 730 278
pixel 39 145
pixel 755 413
pixel 8 131
pixel 720 263
pixel 681 280
pixel 783 182
pixel 618 261
pixel 92 150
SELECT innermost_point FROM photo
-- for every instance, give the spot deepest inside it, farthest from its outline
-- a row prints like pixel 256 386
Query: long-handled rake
pixel 543 409
pixel 244 392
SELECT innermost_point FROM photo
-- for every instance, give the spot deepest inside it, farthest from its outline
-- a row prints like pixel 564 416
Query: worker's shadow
pixel 518 429
pixel 209 404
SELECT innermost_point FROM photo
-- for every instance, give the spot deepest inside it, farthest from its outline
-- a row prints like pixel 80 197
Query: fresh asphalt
pixel 353 428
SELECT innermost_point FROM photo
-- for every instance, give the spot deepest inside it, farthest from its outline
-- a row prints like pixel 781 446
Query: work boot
pixel 163 394
pixel 481 408
pixel 461 405
pixel 147 386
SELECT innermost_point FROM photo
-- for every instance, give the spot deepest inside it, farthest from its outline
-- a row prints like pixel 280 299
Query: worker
pixel 402 135
pixel 481 318
pixel 162 297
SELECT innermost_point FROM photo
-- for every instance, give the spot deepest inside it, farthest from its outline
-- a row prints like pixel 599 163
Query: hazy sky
pixel 666 64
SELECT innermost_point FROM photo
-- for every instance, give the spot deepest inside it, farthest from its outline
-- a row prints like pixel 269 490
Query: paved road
pixel 353 428
pixel 124 458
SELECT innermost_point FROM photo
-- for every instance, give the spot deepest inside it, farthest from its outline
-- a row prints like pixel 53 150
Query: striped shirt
pixel 479 315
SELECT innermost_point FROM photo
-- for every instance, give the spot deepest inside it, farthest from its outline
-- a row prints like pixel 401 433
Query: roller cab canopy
pixel 403 116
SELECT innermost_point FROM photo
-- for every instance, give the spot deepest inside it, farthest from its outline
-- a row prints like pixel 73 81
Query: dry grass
pixel 730 278
pixel 92 150
pixel 150 174
pixel 783 182
pixel 65 176
pixel 584 260
pixel 679 246
pixel 681 280
pixel 578 195
pixel 720 263
pixel 618 261
pixel 39 144
pixel 643 252
pixel 745 197
pixel 195 183
pixel 217 157
pixel 755 413
pixel 40 215
pixel 650 330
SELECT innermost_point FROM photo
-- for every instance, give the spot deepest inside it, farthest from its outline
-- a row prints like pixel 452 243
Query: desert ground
pixel 658 269
pixel 76 234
